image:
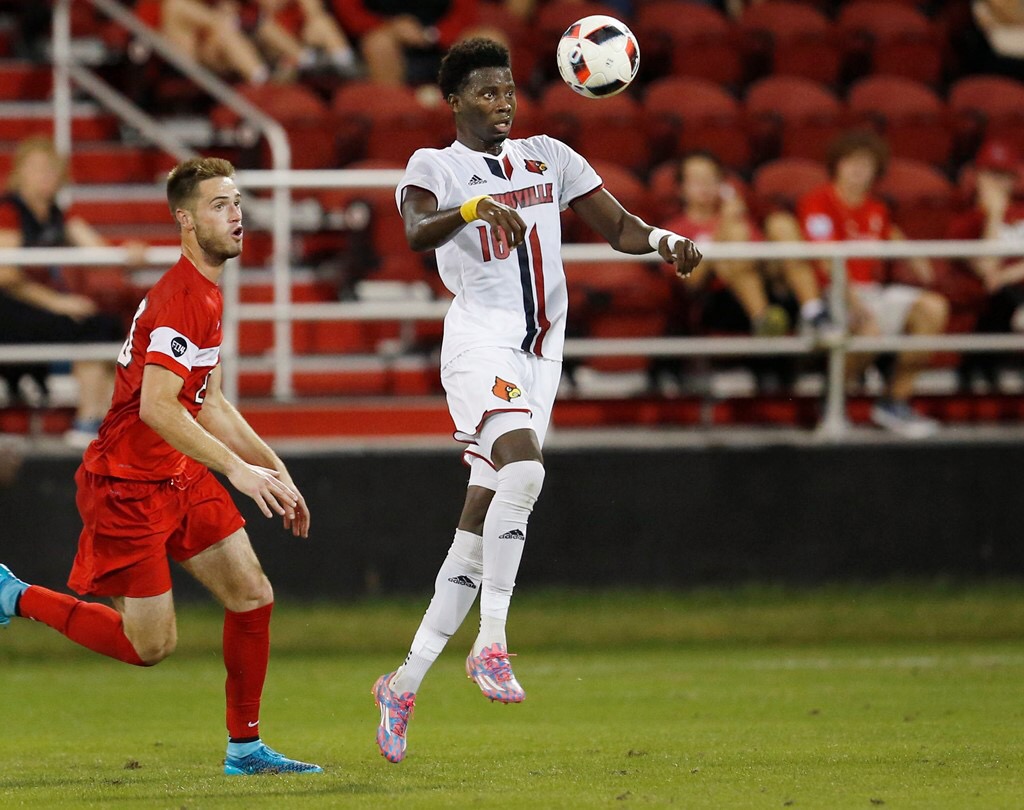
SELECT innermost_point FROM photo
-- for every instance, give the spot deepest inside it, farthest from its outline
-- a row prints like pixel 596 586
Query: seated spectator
pixel 36 305
pixel 1002 22
pixel 402 41
pixel 844 209
pixel 715 211
pixel 210 34
pixel 300 36
pixel 995 215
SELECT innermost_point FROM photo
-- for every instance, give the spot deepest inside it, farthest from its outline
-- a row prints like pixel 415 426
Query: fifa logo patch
pixel 536 166
pixel 505 390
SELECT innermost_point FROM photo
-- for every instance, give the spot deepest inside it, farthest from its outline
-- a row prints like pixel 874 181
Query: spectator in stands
pixel 844 209
pixel 210 34
pixel 1002 23
pixel 402 41
pixel 714 211
pixel 995 215
pixel 35 305
pixel 300 36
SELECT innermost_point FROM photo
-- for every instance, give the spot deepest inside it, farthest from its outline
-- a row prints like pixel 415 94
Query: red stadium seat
pixel 302 114
pixel 911 116
pixel 621 184
pixel 779 184
pixel 988 106
pixel 611 129
pixel 388 123
pixel 921 197
pixel 793 117
pixel 892 38
pixel 688 39
pixel 689 113
pixel 551 21
pixel 790 39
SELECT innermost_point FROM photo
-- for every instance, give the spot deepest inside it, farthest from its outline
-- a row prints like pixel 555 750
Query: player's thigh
pixel 231 571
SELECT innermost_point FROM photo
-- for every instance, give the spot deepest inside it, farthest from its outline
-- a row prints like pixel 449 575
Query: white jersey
pixel 512 298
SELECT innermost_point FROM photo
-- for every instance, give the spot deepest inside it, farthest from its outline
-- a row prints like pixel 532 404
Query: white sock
pixel 455 589
pixel 810 310
pixel 519 485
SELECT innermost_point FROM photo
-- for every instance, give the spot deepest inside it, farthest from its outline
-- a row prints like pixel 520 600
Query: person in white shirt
pixel 489 206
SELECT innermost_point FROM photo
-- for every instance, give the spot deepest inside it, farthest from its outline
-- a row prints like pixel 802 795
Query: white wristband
pixel 657 234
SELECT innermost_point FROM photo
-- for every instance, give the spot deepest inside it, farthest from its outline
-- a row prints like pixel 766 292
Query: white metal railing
pixel 833 423
pixel 66 70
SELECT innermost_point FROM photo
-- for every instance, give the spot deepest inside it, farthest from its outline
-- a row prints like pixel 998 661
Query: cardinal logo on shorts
pixel 536 166
pixel 505 390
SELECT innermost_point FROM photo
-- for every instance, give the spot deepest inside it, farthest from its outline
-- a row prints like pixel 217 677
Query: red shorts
pixel 130 528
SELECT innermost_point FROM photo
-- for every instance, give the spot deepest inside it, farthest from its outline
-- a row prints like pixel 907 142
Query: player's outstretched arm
pixel 160 409
pixel 427 228
pixel 630 234
pixel 223 421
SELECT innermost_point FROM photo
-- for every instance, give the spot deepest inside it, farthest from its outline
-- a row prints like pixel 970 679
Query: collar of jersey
pixel 459 146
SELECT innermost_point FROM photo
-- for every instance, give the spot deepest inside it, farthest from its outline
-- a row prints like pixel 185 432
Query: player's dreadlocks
pixel 467 56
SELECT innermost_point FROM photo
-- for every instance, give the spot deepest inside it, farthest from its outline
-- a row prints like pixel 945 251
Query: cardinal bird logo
pixel 505 390
pixel 536 166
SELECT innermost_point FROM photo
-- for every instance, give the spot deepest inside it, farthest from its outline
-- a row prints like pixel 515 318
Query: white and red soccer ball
pixel 598 56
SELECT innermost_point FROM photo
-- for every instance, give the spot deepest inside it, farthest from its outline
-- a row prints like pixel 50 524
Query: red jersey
pixel 824 217
pixel 971 225
pixel 177 326
pixel 703 232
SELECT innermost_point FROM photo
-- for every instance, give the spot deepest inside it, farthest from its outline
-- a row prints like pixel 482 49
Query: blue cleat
pixel 11 589
pixel 266 760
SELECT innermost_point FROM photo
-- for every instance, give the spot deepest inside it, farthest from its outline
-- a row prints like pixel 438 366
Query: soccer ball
pixel 598 56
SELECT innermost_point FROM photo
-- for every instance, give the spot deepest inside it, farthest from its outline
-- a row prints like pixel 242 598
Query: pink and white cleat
pixel 492 672
pixel 395 711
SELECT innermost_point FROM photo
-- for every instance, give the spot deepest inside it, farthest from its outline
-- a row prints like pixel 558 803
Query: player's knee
pixel 252 593
pixel 154 650
pixel 520 483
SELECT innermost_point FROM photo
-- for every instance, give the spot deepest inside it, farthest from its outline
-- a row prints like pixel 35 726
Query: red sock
pixel 246 652
pixel 92 625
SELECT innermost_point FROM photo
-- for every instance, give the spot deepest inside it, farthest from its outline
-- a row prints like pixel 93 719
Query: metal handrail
pixel 65 70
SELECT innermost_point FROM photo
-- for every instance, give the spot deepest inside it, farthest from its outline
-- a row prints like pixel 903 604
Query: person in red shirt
pixel 844 209
pixel 715 211
pixel 995 215
pixel 146 490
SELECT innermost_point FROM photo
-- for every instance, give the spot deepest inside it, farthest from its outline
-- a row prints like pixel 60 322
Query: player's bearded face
pixel 218 219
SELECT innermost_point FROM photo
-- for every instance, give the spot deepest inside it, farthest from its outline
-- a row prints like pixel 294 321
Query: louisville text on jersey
pixel 525 197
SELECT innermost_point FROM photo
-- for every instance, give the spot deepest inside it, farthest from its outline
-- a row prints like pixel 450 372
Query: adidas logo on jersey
pixel 515 534
pixel 462 579
pixel 476 180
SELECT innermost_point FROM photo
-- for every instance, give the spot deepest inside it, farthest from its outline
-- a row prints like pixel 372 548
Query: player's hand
pixel 298 519
pixel 77 307
pixel 505 222
pixel 685 255
pixel 265 487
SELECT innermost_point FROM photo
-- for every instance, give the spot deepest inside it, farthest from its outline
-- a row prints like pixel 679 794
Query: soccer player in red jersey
pixel 146 491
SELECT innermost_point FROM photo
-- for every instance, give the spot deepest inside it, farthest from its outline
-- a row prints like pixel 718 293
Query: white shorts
pixel 889 304
pixel 483 382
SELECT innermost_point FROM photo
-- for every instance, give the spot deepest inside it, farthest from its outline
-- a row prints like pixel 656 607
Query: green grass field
pixel 903 696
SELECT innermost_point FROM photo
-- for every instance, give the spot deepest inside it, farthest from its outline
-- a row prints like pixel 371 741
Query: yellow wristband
pixel 468 208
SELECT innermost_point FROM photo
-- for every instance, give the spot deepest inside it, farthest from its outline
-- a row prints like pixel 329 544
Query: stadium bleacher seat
pixel 625 186
pixel 688 113
pixel 612 130
pixel 988 106
pixel 388 123
pixel 922 198
pixel 688 39
pixel 793 117
pixel 892 38
pixel 302 114
pixel 913 119
pixel 790 38
pixel 779 184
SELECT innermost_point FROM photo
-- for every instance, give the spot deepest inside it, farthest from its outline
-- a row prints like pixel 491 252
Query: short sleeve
pixel 426 172
pixel 577 177
pixel 178 335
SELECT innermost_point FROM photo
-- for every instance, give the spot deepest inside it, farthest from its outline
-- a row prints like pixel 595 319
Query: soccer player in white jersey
pixel 489 206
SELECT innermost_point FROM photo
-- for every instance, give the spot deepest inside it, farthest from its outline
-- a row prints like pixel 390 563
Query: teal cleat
pixel 266 760
pixel 11 589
